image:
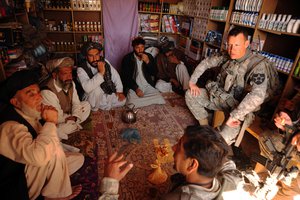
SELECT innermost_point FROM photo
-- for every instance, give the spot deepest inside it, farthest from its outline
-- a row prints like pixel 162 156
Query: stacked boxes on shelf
pixel 199 11
pixel 244 18
pixel 280 22
pixel 246 12
pixel 208 51
pixel 218 13
pixel 214 38
pixel 194 50
pixel 149 23
pixel 170 24
pixel 199 29
pixel 198 8
pixel 282 64
pixel 252 6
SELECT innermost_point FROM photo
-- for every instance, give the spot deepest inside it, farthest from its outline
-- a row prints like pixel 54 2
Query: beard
pixel 139 54
pixel 65 85
pixel 94 63
pixel 30 112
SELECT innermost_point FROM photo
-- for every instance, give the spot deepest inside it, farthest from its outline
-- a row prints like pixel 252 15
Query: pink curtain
pixel 120 23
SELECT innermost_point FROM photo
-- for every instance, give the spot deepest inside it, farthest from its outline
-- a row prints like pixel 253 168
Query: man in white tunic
pixel 60 92
pixel 31 158
pixel 100 81
pixel 138 76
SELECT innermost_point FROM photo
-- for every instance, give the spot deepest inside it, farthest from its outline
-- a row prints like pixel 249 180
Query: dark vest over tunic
pixel 13 185
pixel 65 98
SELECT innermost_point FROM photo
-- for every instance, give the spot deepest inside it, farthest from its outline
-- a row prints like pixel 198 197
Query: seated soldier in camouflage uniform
pixel 240 88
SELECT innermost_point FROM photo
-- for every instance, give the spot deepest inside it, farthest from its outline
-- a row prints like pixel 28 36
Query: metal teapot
pixel 129 114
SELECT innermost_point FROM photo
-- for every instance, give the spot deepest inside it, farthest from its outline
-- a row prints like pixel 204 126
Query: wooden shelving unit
pixel 279 43
pixel 161 13
pixel 75 37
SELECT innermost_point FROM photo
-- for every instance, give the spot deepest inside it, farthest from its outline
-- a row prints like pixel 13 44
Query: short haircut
pixel 138 40
pixel 237 30
pixel 208 147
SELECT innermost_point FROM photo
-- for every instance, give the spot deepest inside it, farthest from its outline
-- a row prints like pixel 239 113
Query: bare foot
pixel 75 191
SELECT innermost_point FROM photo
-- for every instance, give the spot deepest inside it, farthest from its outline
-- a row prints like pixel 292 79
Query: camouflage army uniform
pixel 239 90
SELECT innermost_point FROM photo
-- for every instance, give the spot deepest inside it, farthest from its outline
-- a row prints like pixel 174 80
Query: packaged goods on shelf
pixel 280 22
pixel 199 29
pixel 207 51
pixel 195 49
pixel 214 38
pixel 169 24
pixel 282 64
pixel 244 18
pixel 198 8
pixel 149 7
pixel 149 23
pixel 253 5
pixel 218 13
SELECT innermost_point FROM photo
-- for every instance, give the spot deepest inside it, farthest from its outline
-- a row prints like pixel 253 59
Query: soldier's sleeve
pixel 205 64
pixel 259 85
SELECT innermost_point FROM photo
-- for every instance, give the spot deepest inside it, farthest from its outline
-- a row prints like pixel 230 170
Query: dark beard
pixel 94 63
pixel 139 55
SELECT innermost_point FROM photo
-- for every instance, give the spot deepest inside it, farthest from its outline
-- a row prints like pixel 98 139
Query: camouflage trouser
pixel 203 101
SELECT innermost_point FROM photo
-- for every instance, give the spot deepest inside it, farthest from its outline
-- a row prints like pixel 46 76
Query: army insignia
pixel 258 78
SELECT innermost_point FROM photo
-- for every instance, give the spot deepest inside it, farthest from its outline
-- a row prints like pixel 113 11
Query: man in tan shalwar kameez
pixel 32 162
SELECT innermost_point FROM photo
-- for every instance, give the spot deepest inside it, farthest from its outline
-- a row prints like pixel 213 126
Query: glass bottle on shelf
pixel 87 26
pixel 75 26
pixel 91 26
pixel 72 46
pixel 47 24
pixel 99 27
pixel 157 8
pixel 74 4
pixel 83 27
pixel 79 26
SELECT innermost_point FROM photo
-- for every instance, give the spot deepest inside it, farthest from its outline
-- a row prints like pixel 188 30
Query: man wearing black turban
pixel 32 161
pixel 100 81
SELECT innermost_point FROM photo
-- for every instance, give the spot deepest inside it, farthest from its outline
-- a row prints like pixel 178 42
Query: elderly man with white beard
pixel 60 92
pixel 32 161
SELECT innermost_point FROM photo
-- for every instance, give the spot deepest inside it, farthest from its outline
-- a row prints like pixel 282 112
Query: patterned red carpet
pixel 156 121
pixel 153 122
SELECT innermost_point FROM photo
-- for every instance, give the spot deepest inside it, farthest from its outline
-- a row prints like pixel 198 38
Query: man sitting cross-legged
pixel 60 92
pixel 100 81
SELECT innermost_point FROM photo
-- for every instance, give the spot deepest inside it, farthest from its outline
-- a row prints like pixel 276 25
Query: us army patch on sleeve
pixel 258 78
